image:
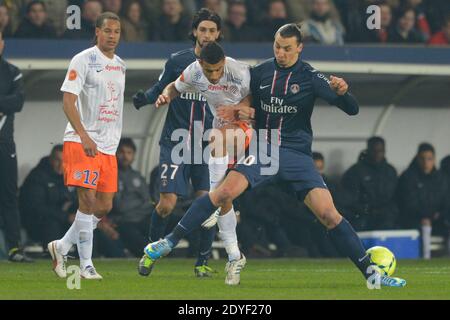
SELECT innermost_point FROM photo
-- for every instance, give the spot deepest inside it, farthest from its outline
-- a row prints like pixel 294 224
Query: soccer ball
pixel 383 259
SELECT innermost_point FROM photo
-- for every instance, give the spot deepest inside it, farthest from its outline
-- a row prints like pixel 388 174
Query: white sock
pixel 217 170
pixel 83 223
pixel 70 238
pixel 227 232
pixel 426 242
pixel 95 222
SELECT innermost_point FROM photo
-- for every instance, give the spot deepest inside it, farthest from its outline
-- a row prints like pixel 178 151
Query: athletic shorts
pixel 98 173
pixel 175 178
pixel 294 167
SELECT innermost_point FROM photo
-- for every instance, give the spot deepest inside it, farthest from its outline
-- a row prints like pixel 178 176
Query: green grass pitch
pixel 261 279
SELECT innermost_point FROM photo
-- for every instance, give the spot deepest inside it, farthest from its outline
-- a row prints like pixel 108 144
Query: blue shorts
pixel 295 168
pixel 175 178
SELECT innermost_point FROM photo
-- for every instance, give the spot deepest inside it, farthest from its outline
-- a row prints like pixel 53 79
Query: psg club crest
pixel 295 88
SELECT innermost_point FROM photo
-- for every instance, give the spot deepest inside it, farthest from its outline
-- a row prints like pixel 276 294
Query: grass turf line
pixel 261 279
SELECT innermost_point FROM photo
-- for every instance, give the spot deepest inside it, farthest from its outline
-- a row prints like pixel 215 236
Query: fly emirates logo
pixel 276 106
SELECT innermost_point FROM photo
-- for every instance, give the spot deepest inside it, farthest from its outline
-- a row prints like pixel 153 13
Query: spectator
pixel 11 102
pixel 442 37
pixel 217 6
pixel 320 27
pixel 422 24
pixel 35 24
pixel 47 207
pixel 114 6
pixel 381 35
pixel 91 10
pixel 57 14
pixel 236 28
pixel 276 17
pixel 133 27
pixel 5 24
pixel 422 195
pixel 256 11
pixel 368 190
pixel 404 31
pixel 132 206
pixel 172 24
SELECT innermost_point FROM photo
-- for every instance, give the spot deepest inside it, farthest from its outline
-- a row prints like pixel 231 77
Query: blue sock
pixel 348 243
pixel 204 250
pixel 199 211
pixel 158 226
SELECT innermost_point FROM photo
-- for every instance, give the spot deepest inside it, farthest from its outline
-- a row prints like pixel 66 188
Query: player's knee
pixel 223 196
pixel 87 202
pixel 165 207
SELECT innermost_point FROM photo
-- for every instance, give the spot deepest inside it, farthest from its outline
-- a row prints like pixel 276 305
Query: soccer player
pixel 224 82
pixel 284 90
pixel 183 112
pixel 93 103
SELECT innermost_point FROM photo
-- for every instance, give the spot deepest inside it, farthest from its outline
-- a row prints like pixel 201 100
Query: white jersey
pixel 230 90
pixel 99 83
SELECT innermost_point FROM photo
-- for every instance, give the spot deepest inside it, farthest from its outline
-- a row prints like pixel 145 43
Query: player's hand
pixel 338 85
pixel 162 100
pixel 140 99
pixel 246 113
pixel 89 146
pixel 227 113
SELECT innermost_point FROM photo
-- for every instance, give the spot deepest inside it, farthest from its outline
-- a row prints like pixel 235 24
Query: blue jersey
pixel 187 108
pixel 284 100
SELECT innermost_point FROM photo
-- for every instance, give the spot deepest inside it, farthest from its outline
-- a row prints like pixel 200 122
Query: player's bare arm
pixel 241 111
pixel 169 93
pixel 339 85
pixel 89 146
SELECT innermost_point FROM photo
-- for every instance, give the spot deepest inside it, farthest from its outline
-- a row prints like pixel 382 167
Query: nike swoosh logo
pixel 360 260
pixel 99 70
pixel 263 87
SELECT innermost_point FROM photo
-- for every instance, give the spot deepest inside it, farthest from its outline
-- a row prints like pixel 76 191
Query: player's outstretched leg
pixel 343 235
pixel 235 183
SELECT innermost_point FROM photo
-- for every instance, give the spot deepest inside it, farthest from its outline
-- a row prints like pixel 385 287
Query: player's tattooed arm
pixel 71 111
pixel 168 94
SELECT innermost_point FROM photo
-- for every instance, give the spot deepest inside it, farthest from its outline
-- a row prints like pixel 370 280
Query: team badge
pixel 164 182
pixel 77 175
pixel 72 75
pixel 197 76
pixel 295 88
pixel 92 58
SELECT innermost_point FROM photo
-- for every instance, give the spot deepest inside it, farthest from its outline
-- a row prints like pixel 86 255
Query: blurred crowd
pixel 331 22
pixel 271 221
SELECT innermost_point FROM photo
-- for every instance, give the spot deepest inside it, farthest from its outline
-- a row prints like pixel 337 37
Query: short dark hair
pixel 127 142
pixel 291 30
pixel 33 3
pixel 212 53
pixel 205 14
pixel 425 147
pixel 317 156
pixel 56 148
pixel 372 141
